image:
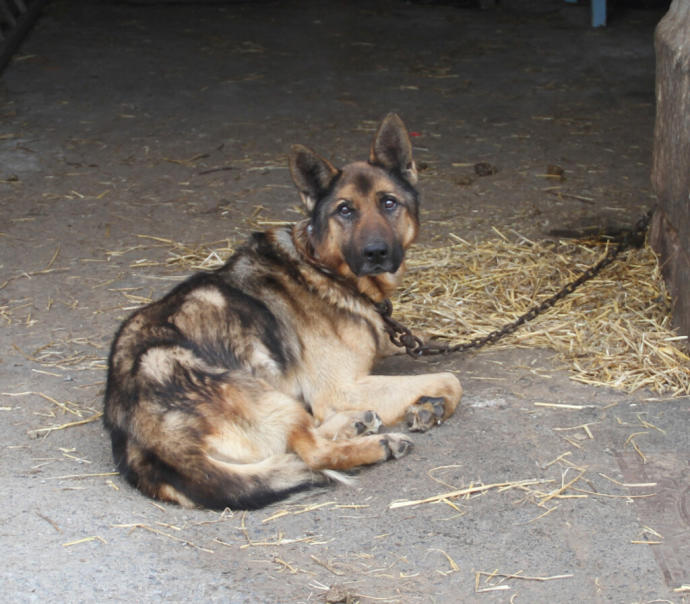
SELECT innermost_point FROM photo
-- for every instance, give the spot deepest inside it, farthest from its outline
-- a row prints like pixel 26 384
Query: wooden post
pixel 670 228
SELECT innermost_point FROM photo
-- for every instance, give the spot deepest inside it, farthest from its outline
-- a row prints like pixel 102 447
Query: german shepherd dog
pixel 250 382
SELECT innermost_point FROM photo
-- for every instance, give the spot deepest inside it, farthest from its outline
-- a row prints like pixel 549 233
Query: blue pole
pixel 598 13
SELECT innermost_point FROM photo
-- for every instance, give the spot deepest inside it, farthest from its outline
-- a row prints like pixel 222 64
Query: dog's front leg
pixel 421 400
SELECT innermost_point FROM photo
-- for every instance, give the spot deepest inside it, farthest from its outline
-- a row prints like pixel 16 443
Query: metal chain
pixel 403 337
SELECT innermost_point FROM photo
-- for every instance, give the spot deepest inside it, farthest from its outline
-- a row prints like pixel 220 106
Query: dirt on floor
pixel 131 131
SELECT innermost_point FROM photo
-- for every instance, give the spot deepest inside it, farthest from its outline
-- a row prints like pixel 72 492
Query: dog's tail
pixel 203 481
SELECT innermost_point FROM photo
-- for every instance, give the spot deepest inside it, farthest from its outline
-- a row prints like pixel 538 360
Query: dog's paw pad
pixel 367 423
pixel 396 445
pixel 427 412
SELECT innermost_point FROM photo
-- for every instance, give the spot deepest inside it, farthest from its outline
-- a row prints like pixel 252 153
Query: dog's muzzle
pixel 376 257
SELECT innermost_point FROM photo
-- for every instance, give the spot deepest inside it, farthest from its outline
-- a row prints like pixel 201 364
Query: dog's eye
pixel 345 210
pixel 389 203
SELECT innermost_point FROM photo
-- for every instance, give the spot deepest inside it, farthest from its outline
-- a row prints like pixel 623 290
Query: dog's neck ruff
pixel 302 241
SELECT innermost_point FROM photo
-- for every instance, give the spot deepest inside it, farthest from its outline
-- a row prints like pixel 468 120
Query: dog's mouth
pixel 376 269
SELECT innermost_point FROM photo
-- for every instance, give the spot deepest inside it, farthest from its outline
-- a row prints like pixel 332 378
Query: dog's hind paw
pixel 349 424
pixel 426 413
pixel 396 445
pixel 368 422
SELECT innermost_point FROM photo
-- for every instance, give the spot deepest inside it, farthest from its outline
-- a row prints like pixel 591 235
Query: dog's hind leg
pixel 320 453
pixel 277 423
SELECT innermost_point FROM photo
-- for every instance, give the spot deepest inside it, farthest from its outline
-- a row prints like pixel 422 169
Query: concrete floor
pixel 172 121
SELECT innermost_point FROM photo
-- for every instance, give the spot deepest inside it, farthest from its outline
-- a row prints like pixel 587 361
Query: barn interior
pixel 141 140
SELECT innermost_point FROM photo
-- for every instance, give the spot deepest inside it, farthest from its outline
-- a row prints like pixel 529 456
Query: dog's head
pixel 364 216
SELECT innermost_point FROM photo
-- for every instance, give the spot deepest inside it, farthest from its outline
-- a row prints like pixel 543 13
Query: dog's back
pixel 203 384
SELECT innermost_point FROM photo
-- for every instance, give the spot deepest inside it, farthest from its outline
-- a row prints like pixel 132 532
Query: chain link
pixel 403 337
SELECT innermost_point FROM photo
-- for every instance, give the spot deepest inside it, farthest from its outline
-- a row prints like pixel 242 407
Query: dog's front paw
pixel 428 411
pixel 396 445
pixel 367 422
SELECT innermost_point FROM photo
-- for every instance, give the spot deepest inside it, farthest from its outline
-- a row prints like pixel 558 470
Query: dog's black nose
pixel 375 257
pixel 376 252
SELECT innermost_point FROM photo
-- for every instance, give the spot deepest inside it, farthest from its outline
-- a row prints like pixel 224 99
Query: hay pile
pixel 613 331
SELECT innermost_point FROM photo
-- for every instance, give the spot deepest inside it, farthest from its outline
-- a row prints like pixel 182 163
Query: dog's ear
pixel 311 173
pixel 392 149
